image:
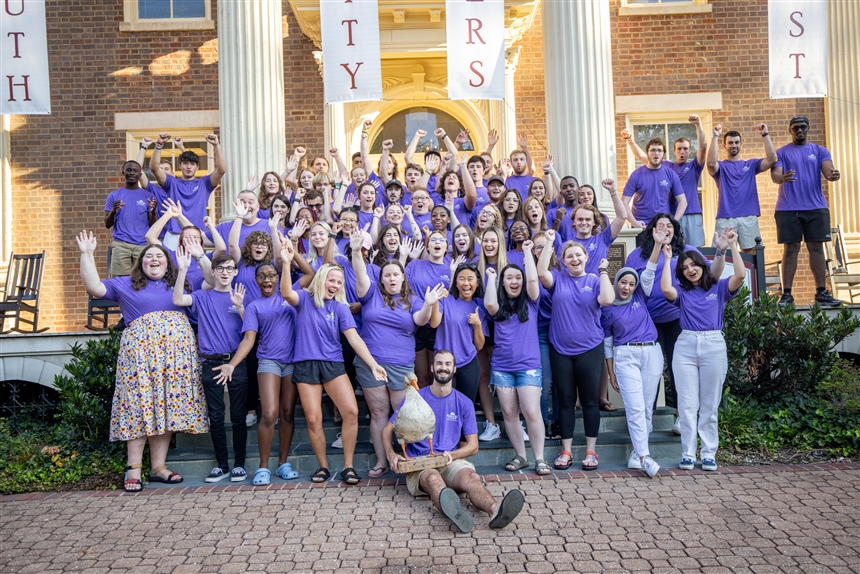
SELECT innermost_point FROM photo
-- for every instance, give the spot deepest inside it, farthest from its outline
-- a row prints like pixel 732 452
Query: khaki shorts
pixel 447 473
pixel 122 257
pixel 746 228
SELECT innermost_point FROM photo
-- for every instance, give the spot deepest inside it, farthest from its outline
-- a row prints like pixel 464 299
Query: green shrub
pixel 775 351
pixel 738 419
pixel 842 388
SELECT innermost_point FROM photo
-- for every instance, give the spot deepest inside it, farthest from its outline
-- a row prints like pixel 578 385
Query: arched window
pixel 401 127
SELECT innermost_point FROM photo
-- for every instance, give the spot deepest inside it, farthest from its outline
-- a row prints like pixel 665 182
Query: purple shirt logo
pixel 330 317
pixel 664 183
pixel 587 288
pixel 232 309
pixel 452 416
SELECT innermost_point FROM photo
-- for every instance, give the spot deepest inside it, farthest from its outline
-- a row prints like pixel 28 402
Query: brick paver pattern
pixel 758 522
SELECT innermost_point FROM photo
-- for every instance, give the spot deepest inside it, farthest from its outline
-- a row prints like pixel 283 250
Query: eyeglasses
pixel 221 269
pixel 799 128
pixel 519 229
pixel 437 240
pixel 267 276
pixel 314 205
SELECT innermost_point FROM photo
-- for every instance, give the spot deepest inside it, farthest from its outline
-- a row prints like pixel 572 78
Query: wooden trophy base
pixel 422 463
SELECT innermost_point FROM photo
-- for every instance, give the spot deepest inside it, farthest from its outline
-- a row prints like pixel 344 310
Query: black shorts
pixel 490 340
pixel 317 372
pixel 810 225
pixel 425 338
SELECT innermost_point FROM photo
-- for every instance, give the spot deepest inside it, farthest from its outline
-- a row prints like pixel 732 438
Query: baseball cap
pixel 495 178
pixel 393 182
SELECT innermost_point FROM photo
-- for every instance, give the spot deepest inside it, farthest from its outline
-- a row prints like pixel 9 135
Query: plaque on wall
pixel 617 256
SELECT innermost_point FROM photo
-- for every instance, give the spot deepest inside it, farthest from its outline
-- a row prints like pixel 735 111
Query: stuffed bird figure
pixel 415 420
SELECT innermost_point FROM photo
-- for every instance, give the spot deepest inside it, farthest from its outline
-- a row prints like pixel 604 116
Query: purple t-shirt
pixel 629 323
pixel 805 193
pixel 650 190
pixel 517 347
pixel 132 220
pixel 545 308
pixel 422 273
pixel 365 218
pixel 247 276
pixel 738 192
pixel 219 324
pixel 455 416
pixel 193 194
pixel 274 321
pixel 703 310
pixel 224 230
pixel 689 174
pixel 194 275
pixel 389 333
pixel 454 332
pixel 520 183
pixel 156 296
pixel 661 309
pixel 516 258
pixel 318 329
pixel 565 231
pixel 597 247
pixel 575 324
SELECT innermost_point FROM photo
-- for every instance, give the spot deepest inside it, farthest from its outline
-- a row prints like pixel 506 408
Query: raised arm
pixel 376 225
pixel 235 249
pixel 523 143
pixel 666 278
pixel 155 160
pixel 387 145
pixel 364 148
pixel 141 156
pixel 362 280
pixel 543 271
pixel 769 149
pixel 409 156
pixel 532 281
pixel 171 210
pixel 286 285
pixel 491 297
pixel 737 278
pixel 492 140
pixel 341 166
pixel 89 273
pixel 607 293
pixel 620 209
pixel 450 145
pixel 477 329
pixel 220 163
pixel 634 147
pixel 713 162
pixel 552 180
pixel 183 262
pixel 431 302
pixel 700 134
pixel 470 197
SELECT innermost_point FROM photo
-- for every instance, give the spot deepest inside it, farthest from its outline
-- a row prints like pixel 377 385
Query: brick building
pixel 117 76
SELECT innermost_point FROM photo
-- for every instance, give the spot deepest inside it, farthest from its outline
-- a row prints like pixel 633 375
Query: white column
pixel 335 133
pixel 251 90
pixel 843 118
pixel 579 95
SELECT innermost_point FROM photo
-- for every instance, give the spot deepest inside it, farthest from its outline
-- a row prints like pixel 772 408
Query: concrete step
pixel 194 456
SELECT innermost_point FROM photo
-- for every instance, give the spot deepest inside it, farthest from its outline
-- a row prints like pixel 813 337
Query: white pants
pixel 699 366
pixel 638 370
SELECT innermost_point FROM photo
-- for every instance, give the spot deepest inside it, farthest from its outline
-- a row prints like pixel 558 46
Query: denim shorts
pixel 516 379
pixel 396 375
pixel 274 367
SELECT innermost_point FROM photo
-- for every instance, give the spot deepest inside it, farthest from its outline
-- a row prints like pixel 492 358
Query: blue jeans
pixel 516 379
pixel 547 390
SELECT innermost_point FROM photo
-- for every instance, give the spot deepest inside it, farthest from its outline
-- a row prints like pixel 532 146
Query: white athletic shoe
pixel 338 442
pixel 491 432
pixel 633 461
pixel 525 434
pixel 250 419
pixel 676 428
pixel 650 466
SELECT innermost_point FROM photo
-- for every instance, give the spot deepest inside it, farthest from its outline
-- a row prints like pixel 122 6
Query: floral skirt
pixel 158 379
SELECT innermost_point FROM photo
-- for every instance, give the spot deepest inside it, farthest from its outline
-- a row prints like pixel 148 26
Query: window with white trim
pixel 154 15
pixel 661 7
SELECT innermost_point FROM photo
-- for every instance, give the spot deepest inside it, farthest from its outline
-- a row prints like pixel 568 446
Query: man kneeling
pixel 455 416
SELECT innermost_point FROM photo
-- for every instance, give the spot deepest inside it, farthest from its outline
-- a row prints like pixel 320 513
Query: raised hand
pixel 528 245
pixel 333 151
pixel 237 295
pixel 274 220
pixel 299 229
pixel 506 166
pixel 145 141
pixel 405 247
pixel 446 159
pixel 366 124
pixel 721 242
pixel 183 258
pixel 239 207
pixel 462 137
pixel 560 213
pixel 659 236
pixel 337 227
pixel 761 128
pixel 603 264
pixel 718 128
pixel 177 140
pixel 292 164
pixel 432 163
pixel 378 211
pixel 407 211
pixel 417 248
pixel 356 240
pixel 420 133
pixel 434 294
pixel 172 208
pixel 164 137
pixel 491 275
pixel 695 119
pixel 287 251
pixel 608 184
pixel 493 137
pixel 192 245
pixel 338 178
pixel 449 201
pixel 208 223
pixel 667 251
pixel 299 153
pixel 350 200
pixel 86 241
pixel 731 236
pixel 252 182
pixel 455 263
pixel 387 145
pixel 439 133
pixel 212 139
pixel 550 235
pixel 625 134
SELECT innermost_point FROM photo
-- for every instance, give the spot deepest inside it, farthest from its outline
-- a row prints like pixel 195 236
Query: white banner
pixel 24 84
pixel 797 30
pixel 476 49
pixel 352 70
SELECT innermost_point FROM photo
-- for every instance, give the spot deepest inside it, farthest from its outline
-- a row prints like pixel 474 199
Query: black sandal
pixel 321 475
pixel 349 476
pixel 127 482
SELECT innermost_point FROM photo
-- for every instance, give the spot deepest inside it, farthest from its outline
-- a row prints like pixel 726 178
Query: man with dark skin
pixel 801 209
pixel 130 211
pixel 454 415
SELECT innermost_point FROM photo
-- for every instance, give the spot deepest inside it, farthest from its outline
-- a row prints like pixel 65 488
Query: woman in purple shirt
pixel 577 360
pixel 700 362
pixel 516 366
pixel 322 315
pixel 390 313
pixel 158 387
pixel 492 256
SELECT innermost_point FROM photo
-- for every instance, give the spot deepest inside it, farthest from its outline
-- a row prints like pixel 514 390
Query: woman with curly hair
pixel 158 375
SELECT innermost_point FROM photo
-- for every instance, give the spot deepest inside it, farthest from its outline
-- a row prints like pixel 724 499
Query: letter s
pixel 798 24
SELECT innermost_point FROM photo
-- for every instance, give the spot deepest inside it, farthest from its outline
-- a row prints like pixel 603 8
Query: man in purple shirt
pixel 650 186
pixel 689 173
pixel 521 163
pixel 130 211
pixel 738 205
pixel 455 417
pixel 189 190
pixel 250 221
pixel 801 210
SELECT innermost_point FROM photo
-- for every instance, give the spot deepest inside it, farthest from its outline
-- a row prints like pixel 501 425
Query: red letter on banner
pixel 16 34
pixel 797 64
pixel 16 13
pixel 12 89
pixel 799 25
pixel 351 73
pixel 349 28
pixel 470 22
pixel 477 73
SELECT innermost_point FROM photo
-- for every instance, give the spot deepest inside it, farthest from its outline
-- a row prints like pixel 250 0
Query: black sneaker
pixel 238 474
pixel 786 299
pixel 826 300
pixel 216 475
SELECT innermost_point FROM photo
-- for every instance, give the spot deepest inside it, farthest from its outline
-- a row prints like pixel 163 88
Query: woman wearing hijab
pixel 633 357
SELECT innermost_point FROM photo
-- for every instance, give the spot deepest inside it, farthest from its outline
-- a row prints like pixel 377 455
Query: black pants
pixel 667 334
pixel 238 389
pixel 466 379
pixel 572 373
pixel 252 402
pixel 348 358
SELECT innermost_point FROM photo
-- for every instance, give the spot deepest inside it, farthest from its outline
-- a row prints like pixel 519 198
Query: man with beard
pixel 738 205
pixel 521 163
pixel 801 209
pixel 455 417
pixel 649 186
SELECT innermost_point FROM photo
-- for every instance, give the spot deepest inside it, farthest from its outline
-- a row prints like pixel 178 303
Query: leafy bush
pixel 87 393
pixel 776 351
pixel 842 388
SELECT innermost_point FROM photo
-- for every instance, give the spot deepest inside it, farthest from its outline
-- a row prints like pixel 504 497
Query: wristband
pixel 613 193
pixel 294 240
pixel 159 146
pixel 332 235
pixel 545 172
pixel 159 142
pixel 603 270
pixel 338 185
pixel 199 257
pixel 143 146
pixel 364 131
pixel 719 253
pixel 716 135
pixel 765 134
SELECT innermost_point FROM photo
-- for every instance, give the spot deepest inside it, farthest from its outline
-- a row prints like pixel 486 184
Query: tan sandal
pixel 516 464
pixel 153 476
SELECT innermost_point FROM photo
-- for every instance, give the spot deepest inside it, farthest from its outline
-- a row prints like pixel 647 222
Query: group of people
pixel 477 277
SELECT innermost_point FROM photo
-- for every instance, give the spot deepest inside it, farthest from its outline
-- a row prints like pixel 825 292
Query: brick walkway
pixel 756 519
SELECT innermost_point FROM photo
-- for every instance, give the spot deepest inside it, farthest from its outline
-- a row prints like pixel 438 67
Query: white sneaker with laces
pixel 525 434
pixel 250 419
pixel 338 442
pixel 633 462
pixel 676 428
pixel 216 475
pixel 491 432
pixel 238 474
pixel 650 466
